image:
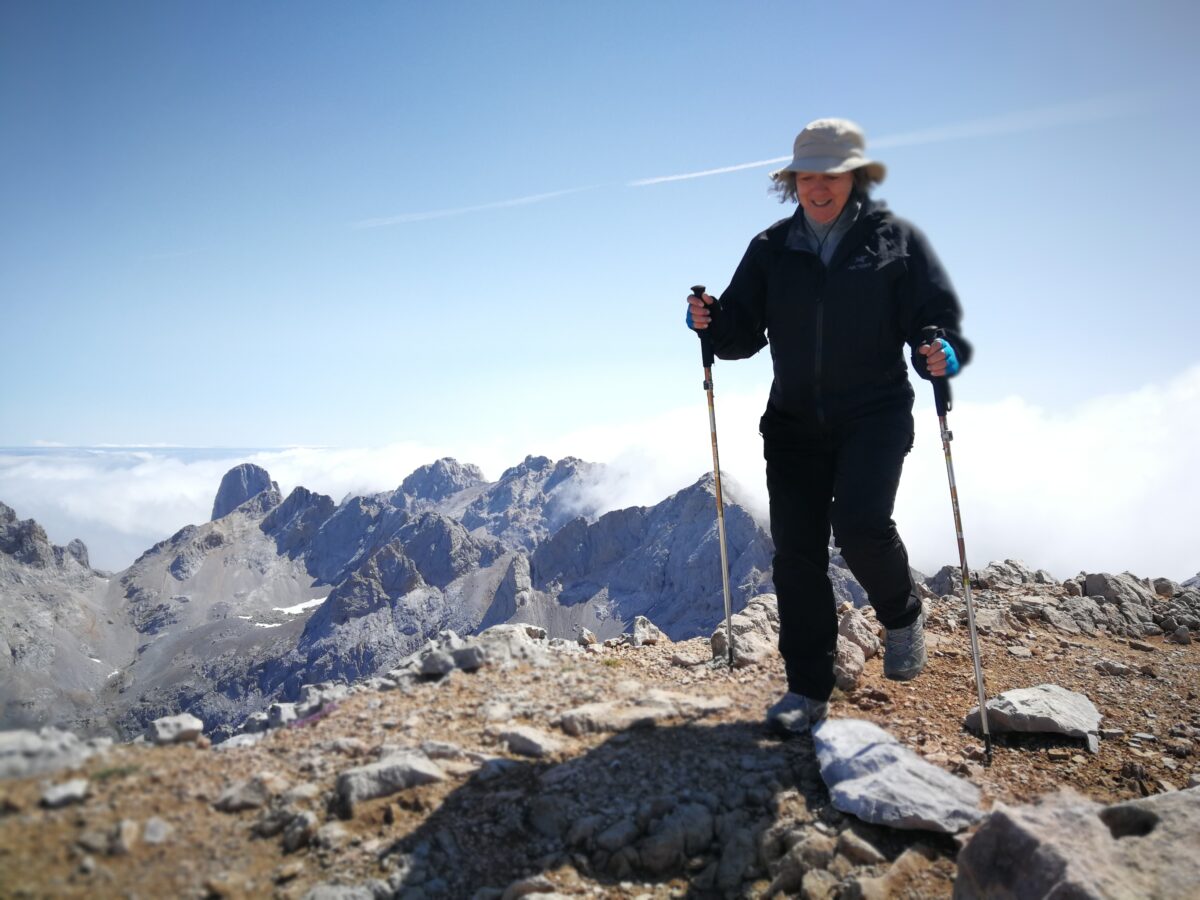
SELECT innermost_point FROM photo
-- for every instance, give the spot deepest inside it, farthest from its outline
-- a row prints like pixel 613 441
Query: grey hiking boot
pixel 795 714
pixel 904 651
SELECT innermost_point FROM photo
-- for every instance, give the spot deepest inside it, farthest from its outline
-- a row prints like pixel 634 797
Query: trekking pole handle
pixel 941 385
pixel 706 350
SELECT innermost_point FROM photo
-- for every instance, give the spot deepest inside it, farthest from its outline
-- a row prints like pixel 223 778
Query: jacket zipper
pixel 817 355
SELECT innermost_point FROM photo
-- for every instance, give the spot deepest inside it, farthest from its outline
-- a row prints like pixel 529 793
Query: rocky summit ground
pixel 616 771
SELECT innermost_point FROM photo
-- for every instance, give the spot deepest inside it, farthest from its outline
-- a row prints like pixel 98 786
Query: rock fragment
pixel 1046 708
pixel 74 791
pixel 179 729
pixel 872 776
pixel 388 776
pixel 1066 845
pixel 526 741
pixel 755 633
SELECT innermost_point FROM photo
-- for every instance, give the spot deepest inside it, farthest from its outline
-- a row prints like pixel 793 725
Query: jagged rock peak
pixel 239 485
pixel 529 464
pixel 440 479
pixel 27 542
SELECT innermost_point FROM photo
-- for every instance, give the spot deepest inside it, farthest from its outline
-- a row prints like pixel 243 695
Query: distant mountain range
pixel 273 593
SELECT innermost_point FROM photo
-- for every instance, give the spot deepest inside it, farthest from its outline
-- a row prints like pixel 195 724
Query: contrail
pixel 721 171
pixel 464 210
pixel 1108 107
pixel 1096 109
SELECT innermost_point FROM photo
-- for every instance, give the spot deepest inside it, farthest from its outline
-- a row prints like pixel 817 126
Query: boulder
pixel 848 664
pixel 388 776
pixel 755 633
pixel 1069 846
pixel 853 626
pixel 1044 708
pixel 179 729
pixel 74 791
pixel 25 753
pixel 653 707
pixel 527 741
pixel 645 632
pixel 871 775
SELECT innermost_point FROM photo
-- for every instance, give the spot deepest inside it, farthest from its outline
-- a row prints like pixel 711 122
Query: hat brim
pixel 831 165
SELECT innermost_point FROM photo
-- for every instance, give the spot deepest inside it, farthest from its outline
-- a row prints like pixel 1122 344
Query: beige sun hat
pixel 832 146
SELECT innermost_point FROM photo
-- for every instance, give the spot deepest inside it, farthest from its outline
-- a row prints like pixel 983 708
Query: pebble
pixel 74 791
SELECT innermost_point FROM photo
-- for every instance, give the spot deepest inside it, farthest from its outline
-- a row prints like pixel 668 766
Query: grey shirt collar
pixel 822 240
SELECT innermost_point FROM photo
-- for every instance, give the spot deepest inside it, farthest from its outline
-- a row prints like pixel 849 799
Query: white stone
pixel 872 776
pixel 175 729
pixel 1044 708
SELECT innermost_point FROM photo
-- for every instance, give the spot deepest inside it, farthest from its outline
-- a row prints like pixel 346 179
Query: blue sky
pixel 218 229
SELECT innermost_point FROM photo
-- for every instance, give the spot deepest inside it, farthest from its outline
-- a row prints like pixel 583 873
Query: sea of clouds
pixel 1108 486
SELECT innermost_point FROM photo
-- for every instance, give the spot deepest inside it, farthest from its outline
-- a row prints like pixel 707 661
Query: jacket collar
pixel 794 235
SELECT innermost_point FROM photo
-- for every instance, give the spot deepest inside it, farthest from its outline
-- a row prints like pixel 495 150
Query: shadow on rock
pixel 705 808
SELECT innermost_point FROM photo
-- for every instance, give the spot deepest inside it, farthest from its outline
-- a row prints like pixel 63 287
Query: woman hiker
pixel 837 289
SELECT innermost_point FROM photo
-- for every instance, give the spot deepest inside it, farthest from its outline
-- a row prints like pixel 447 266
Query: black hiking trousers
pixel 845 478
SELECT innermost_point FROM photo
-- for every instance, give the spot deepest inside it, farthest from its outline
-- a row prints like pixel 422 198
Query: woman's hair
pixel 784 185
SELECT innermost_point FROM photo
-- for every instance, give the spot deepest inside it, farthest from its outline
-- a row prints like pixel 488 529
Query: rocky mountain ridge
pixel 275 592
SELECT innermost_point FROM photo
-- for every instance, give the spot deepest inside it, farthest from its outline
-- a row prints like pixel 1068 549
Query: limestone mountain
pixel 239 485
pixel 62 636
pixel 224 617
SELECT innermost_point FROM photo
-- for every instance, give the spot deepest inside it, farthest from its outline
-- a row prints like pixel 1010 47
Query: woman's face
pixel 823 195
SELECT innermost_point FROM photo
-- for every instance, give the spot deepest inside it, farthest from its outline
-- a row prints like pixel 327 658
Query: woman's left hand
pixel 940 360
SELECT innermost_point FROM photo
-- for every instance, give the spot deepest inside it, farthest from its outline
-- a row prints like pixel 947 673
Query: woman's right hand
pixel 698 315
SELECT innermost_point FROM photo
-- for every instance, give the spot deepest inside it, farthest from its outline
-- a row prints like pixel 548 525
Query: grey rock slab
pixel 853 626
pixel 279 714
pixel 174 729
pixel 1069 846
pixel 25 753
pixel 755 633
pixel 250 794
pixel 74 791
pixel 645 632
pixel 469 658
pixel 872 776
pixel 655 706
pixel 1045 708
pixel 436 663
pixel 388 776
pixel 848 664
pixel 339 892
pixel 526 741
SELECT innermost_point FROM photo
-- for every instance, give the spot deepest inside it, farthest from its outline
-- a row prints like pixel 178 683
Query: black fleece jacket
pixel 837 333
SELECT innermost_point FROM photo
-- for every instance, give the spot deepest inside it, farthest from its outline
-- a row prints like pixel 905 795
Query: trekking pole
pixel 943 402
pixel 706 355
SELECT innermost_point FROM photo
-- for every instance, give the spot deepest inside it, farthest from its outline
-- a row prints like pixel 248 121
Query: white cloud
pixel 1110 485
